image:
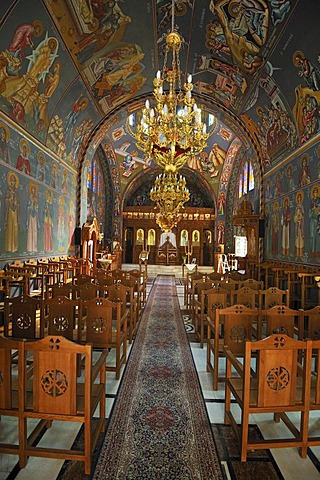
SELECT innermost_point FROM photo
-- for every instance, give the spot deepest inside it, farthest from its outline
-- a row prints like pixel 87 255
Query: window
pixel 245 179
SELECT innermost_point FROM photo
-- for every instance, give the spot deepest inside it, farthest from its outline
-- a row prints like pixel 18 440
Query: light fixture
pixel 169 193
pixel 170 132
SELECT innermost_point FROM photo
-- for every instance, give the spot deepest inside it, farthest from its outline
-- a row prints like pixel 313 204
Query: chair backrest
pixel 214 298
pixel 8 395
pixel 278 370
pixel 252 283
pixel 310 327
pixel 281 319
pixel 245 296
pixel 119 273
pixel 203 286
pixel 86 291
pixel 83 278
pixel 229 284
pixel 197 284
pixel 118 292
pixel 315 373
pixel 213 276
pixel 102 322
pixel 105 281
pixel 273 296
pixel 236 325
pixel 55 379
pixel 20 317
pixel 63 316
pixel 236 276
pixel 65 289
pixel 191 277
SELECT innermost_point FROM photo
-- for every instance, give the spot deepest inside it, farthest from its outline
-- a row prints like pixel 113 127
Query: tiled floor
pixel 290 463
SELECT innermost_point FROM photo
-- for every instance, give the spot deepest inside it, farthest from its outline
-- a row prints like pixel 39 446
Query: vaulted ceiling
pixel 72 71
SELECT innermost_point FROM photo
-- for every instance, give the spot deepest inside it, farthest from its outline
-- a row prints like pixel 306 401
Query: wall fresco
pixel 37 199
pixel 292 210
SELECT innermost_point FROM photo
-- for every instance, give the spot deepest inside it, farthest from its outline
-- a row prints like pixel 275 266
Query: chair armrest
pixel 124 317
pixel 233 360
pixel 210 323
pixel 99 364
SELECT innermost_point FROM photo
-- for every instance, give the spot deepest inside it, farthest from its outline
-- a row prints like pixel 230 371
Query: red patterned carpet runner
pixel 159 428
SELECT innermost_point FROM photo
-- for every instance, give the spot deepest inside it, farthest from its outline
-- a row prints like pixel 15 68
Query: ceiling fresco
pixel 73 71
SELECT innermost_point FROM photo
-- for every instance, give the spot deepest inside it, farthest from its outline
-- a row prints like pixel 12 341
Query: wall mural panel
pixel 40 88
pixel 284 123
pixel 292 210
pixel 37 199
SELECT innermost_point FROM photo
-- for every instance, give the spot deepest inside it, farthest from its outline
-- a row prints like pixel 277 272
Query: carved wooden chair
pixel 134 302
pixel 105 280
pixel 229 284
pixel 22 317
pixel 65 289
pixel 59 395
pixel 310 325
pixel 236 276
pixel 9 397
pixel 141 283
pixel 197 303
pixel 280 319
pixel 200 307
pixel 314 404
pixel 246 296
pixel 211 299
pixel 272 296
pixel 106 327
pixel 197 285
pixel 215 276
pixel 86 291
pixel 269 380
pixel 231 326
pixel 252 283
pixel 124 294
pixel 62 316
pixel 83 278
pixel 188 289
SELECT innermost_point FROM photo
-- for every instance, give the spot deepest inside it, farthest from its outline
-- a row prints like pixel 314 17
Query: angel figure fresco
pixel 12 213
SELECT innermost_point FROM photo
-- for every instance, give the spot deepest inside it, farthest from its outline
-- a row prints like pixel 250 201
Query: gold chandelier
pixel 169 193
pixel 171 132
